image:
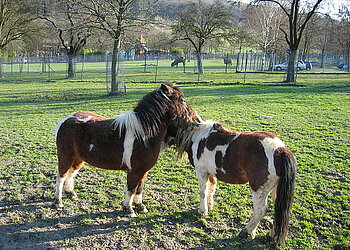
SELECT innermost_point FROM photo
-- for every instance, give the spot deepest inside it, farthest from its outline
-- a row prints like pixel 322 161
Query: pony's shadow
pixel 39 233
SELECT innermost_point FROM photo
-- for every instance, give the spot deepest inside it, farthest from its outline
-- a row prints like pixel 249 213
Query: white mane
pixel 129 121
pixel 202 130
pixel 184 137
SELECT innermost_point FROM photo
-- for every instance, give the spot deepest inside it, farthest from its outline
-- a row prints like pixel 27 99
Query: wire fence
pixel 160 65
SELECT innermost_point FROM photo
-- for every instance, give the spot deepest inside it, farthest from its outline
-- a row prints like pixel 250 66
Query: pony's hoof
pixel 130 212
pixel 244 234
pixel 140 208
pixel 202 213
pixel 73 195
pixel 132 215
pixel 59 204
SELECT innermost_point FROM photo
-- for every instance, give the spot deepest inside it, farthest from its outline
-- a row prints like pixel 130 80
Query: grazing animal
pixel 258 158
pixel 228 61
pixel 177 61
pixel 130 142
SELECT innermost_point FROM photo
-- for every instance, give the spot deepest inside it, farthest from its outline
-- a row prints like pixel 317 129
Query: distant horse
pixel 130 142
pixel 228 61
pixel 258 158
pixel 177 61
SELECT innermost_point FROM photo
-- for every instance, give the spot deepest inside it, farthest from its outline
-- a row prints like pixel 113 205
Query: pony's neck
pixel 152 113
pixel 185 137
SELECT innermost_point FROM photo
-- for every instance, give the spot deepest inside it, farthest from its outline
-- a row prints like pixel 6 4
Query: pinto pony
pixel 130 142
pixel 258 158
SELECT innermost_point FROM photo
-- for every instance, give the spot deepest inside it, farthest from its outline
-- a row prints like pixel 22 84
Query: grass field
pixel 313 118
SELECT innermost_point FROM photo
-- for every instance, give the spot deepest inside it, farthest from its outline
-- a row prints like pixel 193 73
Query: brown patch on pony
pixel 262 134
pixel 278 158
pixel 219 162
pixel 222 136
pixel 200 148
pixel 212 180
pixel 241 160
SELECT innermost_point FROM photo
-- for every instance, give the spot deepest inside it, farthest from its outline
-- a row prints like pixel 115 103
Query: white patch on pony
pixel 59 187
pixel 202 131
pixel 128 148
pixel 59 124
pixel 129 122
pixel 84 120
pixel 206 162
pixel 69 184
pixel 127 202
pixel 270 145
pixel 91 146
pixel 222 170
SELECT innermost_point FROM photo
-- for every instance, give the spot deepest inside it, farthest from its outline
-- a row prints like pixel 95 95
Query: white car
pixel 284 66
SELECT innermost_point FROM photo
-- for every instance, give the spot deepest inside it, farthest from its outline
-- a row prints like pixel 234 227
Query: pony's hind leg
pixel 65 162
pixel 69 183
pixel 203 180
pixel 260 208
pixel 58 194
pixel 211 191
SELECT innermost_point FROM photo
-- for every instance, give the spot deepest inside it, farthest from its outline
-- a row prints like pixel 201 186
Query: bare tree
pixel 262 23
pixel 66 18
pixel 298 14
pixel 15 22
pixel 199 22
pixel 344 31
pixel 325 37
pixel 114 17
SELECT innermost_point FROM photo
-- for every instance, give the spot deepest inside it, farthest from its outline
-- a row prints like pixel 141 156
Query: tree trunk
pixel 199 62
pixel 348 56
pixel 114 73
pixel 322 57
pixel 1 68
pixel 71 68
pixel 291 76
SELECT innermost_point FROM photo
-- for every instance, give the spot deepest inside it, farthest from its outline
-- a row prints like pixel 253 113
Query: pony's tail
pixel 285 193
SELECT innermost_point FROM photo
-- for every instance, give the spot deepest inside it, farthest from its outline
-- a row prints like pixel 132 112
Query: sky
pixel 328 6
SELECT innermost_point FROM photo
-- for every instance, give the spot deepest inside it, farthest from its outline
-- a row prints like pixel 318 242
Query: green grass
pixel 313 118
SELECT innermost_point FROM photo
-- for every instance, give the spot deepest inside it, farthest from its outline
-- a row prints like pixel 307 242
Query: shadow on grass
pixel 59 230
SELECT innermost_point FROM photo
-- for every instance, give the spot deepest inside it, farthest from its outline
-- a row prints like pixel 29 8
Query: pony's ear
pixel 165 88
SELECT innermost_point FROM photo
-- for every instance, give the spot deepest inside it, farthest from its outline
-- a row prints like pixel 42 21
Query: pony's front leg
pixel 203 192
pixel 133 181
pixel 211 191
pixel 140 207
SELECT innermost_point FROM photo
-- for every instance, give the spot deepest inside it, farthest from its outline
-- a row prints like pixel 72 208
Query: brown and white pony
pixel 130 142
pixel 258 158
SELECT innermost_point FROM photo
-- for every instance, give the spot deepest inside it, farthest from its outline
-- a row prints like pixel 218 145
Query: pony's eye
pixel 182 100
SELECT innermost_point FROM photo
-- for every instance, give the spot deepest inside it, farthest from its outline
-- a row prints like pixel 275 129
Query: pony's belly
pixel 232 179
pixel 108 164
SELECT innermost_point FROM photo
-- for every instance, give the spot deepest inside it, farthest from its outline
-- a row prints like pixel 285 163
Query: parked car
pixel 284 66
pixel 308 65
pixel 343 66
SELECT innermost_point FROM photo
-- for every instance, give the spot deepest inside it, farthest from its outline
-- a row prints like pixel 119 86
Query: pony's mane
pixel 185 137
pixel 148 115
pixel 129 121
